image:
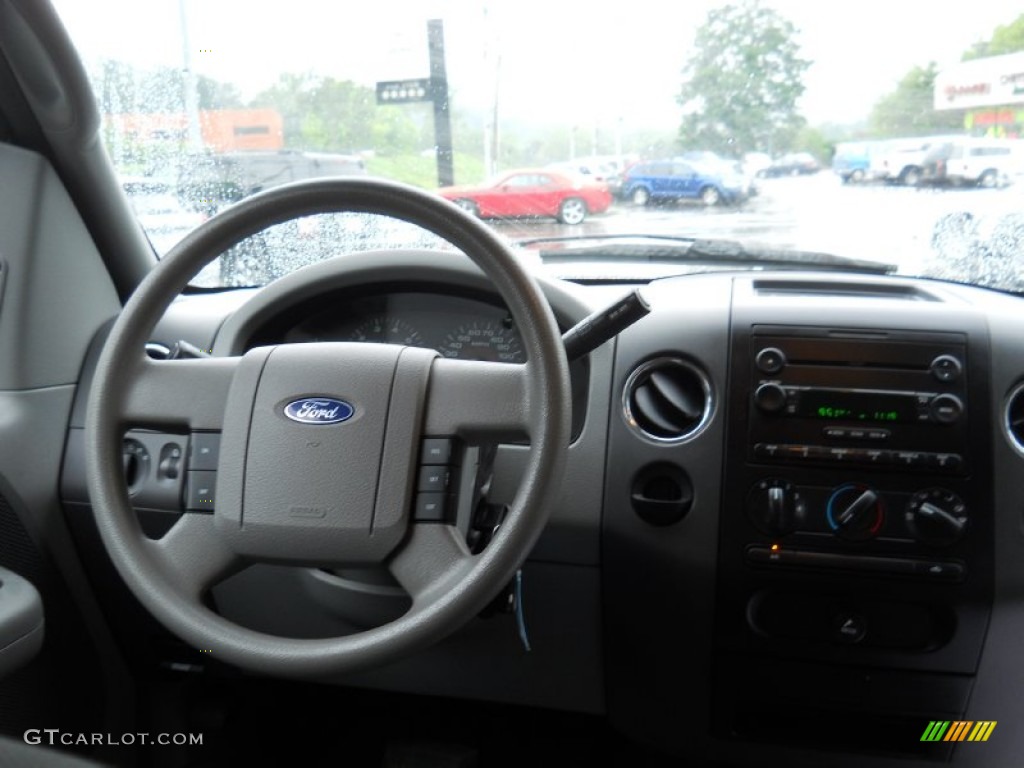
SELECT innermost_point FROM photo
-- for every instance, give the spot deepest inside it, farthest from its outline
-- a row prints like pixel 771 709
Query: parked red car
pixel 533 193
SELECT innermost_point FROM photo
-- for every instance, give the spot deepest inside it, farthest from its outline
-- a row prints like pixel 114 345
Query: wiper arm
pixel 667 249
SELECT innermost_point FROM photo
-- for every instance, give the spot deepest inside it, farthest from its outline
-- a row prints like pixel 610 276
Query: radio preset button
pixel 878 458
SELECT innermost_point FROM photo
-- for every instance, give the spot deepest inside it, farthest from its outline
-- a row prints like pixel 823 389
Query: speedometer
pixel 492 340
pixel 384 329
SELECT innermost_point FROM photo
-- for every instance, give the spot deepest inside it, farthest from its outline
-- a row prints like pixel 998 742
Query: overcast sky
pixel 560 60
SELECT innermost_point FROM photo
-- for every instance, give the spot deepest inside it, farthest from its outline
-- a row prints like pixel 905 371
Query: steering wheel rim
pixel 449 586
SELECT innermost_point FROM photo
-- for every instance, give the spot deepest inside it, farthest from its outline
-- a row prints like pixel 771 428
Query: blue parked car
pixel 852 161
pixel 670 180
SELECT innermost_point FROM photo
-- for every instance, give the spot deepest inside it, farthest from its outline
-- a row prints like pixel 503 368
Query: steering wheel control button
pixel 436 450
pixel 770 360
pixel 946 368
pixel 136 461
pixel 199 495
pixel 848 627
pixel 205 451
pixel 433 479
pixel 431 508
pixel 170 461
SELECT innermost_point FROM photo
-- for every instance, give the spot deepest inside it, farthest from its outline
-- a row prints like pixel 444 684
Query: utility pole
pixel 195 136
pixel 439 96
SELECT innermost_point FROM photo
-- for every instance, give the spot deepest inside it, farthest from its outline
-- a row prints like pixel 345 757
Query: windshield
pixel 886 132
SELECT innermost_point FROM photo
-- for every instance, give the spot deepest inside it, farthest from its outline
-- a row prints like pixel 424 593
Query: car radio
pixel 898 404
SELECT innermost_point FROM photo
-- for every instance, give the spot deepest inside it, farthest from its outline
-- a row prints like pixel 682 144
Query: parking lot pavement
pixel 885 223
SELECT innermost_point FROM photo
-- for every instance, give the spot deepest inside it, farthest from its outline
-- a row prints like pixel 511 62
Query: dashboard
pixel 791 502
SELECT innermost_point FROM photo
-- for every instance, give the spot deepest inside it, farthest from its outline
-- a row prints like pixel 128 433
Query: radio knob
pixel 946 368
pixel 855 512
pixel 936 516
pixel 775 508
pixel 945 409
pixel 770 398
pixel 770 360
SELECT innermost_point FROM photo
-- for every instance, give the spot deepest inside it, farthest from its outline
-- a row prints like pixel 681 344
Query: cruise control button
pixel 430 507
pixel 436 450
pixel 205 450
pixel 199 497
pixel 433 479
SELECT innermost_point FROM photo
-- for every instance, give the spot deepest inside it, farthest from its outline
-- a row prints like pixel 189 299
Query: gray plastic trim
pixel 55 284
pixel 21 622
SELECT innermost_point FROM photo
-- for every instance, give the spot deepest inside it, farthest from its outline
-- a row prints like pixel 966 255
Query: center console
pixel 855 548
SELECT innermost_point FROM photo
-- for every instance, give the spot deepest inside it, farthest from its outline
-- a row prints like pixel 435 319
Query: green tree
pixel 216 94
pixel 322 113
pixel 742 82
pixel 1007 38
pixel 908 110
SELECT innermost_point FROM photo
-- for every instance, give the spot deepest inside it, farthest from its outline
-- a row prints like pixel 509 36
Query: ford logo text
pixel 318 410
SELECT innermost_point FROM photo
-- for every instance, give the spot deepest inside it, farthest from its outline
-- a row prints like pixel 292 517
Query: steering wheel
pixel 335 487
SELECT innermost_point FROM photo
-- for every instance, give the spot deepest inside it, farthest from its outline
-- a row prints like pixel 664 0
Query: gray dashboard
pixel 637 591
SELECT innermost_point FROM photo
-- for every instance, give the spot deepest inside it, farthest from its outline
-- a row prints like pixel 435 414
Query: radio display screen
pixel 866 407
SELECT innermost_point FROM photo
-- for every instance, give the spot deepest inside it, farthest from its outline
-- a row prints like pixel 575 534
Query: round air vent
pixel 667 399
pixel 1014 421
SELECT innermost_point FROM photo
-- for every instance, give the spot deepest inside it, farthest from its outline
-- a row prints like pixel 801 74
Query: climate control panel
pixel 856 512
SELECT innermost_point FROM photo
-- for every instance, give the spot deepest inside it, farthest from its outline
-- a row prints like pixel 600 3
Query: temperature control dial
pixel 775 508
pixel 936 516
pixel 855 512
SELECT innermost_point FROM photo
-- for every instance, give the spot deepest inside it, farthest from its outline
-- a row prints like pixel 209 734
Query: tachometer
pixel 384 329
pixel 492 340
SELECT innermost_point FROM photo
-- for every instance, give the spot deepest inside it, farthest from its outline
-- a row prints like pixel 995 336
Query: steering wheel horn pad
pixel 312 488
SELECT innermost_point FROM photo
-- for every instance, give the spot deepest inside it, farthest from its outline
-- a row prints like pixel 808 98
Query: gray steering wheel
pixel 322 491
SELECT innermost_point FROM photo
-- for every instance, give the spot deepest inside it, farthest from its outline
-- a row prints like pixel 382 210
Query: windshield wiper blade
pixel 670 249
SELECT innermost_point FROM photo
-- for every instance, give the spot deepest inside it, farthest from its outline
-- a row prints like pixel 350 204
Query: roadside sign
pixel 404 91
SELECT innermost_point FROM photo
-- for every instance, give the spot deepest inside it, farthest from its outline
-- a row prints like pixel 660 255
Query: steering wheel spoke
pixel 193 556
pixel 476 399
pixel 167 393
pixel 433 558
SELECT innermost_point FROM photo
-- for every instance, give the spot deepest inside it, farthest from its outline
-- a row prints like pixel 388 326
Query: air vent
pixel 667 399
pixel 1014 422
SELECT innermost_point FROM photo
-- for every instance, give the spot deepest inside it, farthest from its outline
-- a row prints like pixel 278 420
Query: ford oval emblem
pixel 318 410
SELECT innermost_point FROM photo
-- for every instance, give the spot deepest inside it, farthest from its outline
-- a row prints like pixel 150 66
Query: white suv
pixel 902 160
pixel 985 162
